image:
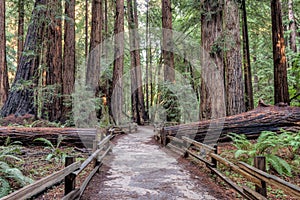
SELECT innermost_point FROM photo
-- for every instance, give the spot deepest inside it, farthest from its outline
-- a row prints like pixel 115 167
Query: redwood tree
pixel 68 71
pixel 117 86
pixel 20 28
pixel 168 56
pixel 21 97
pixel 212 82
pixel 280 64
pixel 54 60
pixel 233 61
pixel 137 95
pixel 93 68
pixel 3 66
pixel 249 103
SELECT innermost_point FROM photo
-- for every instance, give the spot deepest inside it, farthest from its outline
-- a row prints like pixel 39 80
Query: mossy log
pixel 251 123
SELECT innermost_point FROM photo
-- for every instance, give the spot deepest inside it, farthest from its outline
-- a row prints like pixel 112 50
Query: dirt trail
pixel 138 169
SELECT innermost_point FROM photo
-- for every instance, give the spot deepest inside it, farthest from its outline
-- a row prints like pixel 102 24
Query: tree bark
pixel 167 47
pixel 69 59
pixel 86 27
pixel 54 61
pixel 3 65
pixel 137 95
pixel 249 103
pixel 281 93
pixel 117 86
pixel 93 68
pixel 72 136
pixel 251 123
pixel 212 101
pixel 20 29
pixel 21 98
pixel 292 27
pixel 235 103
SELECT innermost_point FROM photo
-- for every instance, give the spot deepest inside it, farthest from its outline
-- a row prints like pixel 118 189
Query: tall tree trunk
pixel 21 100
pixel 117 86
pixel 93 68
pixel 212 80
pixel 69 59
pixel 167 51
pixel 86 27
pixel 235 103
pixel 20 29
pixel 137 96
pixel 292 27
pixel 3 65
pixel 249 103
pixel 54 60
pixel 141 102
pixel 280 64
pixel 147 60
pixel 293 46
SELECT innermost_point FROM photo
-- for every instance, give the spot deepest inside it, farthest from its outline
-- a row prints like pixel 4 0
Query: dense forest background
pixel 44 44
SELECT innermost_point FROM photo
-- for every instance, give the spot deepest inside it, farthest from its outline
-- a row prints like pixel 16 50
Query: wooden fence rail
pixel 69 173
pixel 186 147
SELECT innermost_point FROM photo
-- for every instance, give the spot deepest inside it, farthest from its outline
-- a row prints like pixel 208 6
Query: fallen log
pixel 251 123
pixel 72 136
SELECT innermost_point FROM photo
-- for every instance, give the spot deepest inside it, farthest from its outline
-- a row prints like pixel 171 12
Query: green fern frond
pixel 280 165
pixel 18 176
pixel 240 141
pixel 240 152
pixel 45 141
pixel 4 187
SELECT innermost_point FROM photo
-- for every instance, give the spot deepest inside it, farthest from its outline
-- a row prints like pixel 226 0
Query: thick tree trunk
pixel 69 59
pixel 167 47
pixel 137 95
pixel 252 123
pixel 249 103
pixel 280 64
pixel 72 136
pixel 3 65
pixel 212 104
pixel 93 68
pixel 21 99
pixel 117 86
pixel 235 103
pixel 20 29
pixel 54 61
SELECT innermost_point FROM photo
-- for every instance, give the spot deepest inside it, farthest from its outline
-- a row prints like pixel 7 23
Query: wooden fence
pixel 101 147
pixel 209 155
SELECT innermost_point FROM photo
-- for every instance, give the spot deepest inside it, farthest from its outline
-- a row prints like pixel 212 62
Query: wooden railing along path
pixel 209 155
pixel 101 147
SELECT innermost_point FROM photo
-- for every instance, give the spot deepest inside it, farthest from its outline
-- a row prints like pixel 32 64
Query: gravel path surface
pixel 139 169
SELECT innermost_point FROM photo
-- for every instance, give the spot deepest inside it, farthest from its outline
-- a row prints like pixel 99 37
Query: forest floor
pixel 139 168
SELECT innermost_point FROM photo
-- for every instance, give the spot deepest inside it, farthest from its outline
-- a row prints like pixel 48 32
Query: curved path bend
pixel 139 169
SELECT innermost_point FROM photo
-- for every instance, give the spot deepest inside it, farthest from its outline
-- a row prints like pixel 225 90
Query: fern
pixel 18 176
pixel 268 145
pixel 280 165
pixel 8 154
pixel 4 187
pixel 45 141
pixel 56 153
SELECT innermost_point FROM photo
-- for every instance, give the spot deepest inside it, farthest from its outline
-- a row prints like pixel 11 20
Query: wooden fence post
pixel 71 178
pixel 213 160
pixel 260 163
